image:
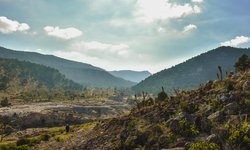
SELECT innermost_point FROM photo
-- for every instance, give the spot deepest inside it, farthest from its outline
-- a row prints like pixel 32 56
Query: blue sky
pixel 124 34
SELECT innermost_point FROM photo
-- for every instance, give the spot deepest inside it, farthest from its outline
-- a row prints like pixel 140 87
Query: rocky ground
pixel 215 116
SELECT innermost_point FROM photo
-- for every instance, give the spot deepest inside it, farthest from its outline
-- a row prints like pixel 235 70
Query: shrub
pixel 23 141
pixel 10 146
pixel 132 124
pixel 188 107
pixel 5 102
pixel 45 137
pixel 242 64
pixel 187 129
pixel 204 145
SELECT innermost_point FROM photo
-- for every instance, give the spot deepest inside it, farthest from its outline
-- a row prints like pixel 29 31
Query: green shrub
pixel 23 147
pixel 10 146
pixel 187 129
pixel 188 107
pixel 23 141
pixel 5 102
pixel 204 145
pixel 45 137
pixel 132 124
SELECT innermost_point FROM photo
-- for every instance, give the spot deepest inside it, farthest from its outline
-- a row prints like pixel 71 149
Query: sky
pixel 124 34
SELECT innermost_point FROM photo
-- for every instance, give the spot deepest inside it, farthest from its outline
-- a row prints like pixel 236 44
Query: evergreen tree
pixel 242 64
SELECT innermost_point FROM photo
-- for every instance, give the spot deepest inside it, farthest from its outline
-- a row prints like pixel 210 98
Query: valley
pixel 42 109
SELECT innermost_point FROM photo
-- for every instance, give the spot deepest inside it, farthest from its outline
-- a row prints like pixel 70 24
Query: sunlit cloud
pixel 10 26
pixel 99 49
pixel 67 33
pixel 236 41
pixel 189 28
pixel 151 10
pixel 197 1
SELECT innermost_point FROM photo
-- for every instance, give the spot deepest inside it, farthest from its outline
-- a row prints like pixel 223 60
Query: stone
pixel 174 125
pixel 231 108
pixel 217 117
pixel 234 120
pixel 246 86
pixel 213 139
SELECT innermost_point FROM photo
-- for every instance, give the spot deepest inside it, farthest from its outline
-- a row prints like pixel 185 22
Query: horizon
pixel 140 35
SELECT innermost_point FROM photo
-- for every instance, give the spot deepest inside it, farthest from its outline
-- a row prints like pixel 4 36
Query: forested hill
pixel 81 73
pixel 191 73
pixel 17 75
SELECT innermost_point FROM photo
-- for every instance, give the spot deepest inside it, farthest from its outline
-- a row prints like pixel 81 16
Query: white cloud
pixel 150 10
pixel 236 41
pixel 10 26
pixel 67 33
pixel 101 50
pixel 161 30
pixel 197 1
pixel 189 27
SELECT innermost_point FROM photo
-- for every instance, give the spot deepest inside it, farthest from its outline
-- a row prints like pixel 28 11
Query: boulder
pixel 231 108
pixel 213 139
pixel 246 86
pixel 174 125
pixel 217 116
pixel 234 119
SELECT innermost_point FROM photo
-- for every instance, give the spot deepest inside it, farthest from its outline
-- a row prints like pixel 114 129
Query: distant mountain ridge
pixel 81 73
pixel 191 73
pixel 134 76
pixel 18 75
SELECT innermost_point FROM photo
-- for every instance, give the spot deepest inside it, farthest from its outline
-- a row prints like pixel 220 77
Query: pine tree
pixel 242 64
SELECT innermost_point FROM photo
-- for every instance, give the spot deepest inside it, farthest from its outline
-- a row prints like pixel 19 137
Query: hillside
pixel 81 73
pixel 193 72
pixel 134 76
pixel 18 75
pixel 213 117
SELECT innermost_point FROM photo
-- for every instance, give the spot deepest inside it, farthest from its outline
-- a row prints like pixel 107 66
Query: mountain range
pixel 82 73
pixel 134 76
pixel 18 75
pixel 193 72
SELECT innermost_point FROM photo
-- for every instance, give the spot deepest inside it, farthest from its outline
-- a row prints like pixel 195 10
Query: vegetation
pixel 81 73
pixel 193 72
pixel 204 145
pixel 242 64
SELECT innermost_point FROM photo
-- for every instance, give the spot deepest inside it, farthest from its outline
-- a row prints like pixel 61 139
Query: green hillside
pixel 18 75
pixel 81 73
pixel 193 72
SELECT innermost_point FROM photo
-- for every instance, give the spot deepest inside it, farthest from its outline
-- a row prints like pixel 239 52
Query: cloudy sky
pixel 124 34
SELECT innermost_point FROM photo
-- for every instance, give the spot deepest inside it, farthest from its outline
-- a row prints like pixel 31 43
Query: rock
pixel 234 120
pixel 8 130
pixel 203 124
pixel 217 117
pixel 163 141
pixel 181 142
pixel 213 139
pixel 206 111
pixel 231 108
pixel 220 131
pixel 246 86
pixel 174 125
pixel 224 97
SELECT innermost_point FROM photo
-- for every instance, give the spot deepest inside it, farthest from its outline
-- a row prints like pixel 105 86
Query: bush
pixel 45 137
pixel 187 129
pixel 204 145
pixel 11 146
pixel 23 141
pixel 5 102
